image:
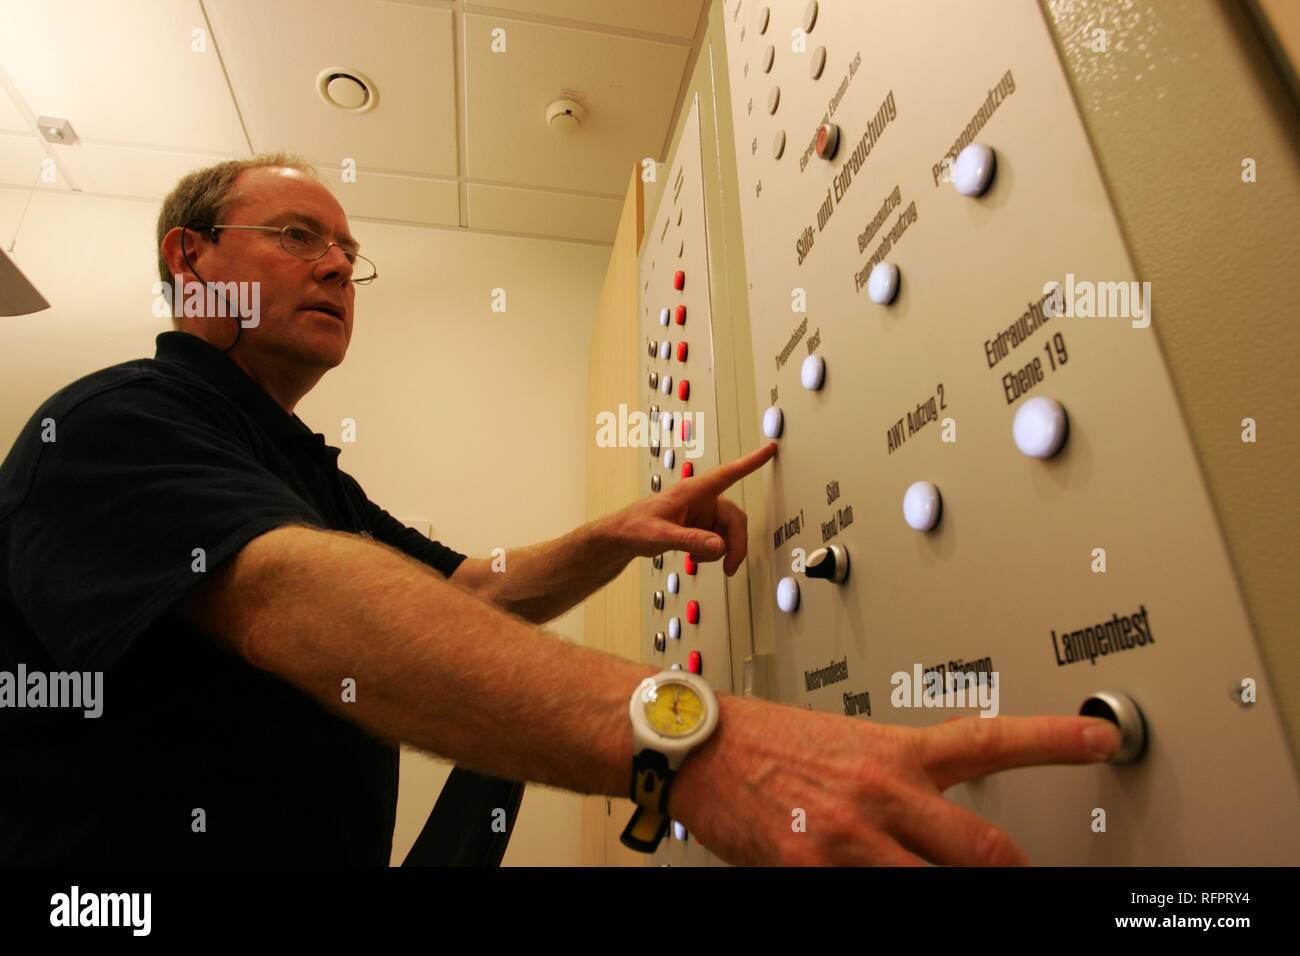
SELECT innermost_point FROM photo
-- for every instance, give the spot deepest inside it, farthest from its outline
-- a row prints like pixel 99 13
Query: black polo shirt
pixel 121 493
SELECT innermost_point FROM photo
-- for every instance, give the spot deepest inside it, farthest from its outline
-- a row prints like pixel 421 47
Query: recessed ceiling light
pixel 347 90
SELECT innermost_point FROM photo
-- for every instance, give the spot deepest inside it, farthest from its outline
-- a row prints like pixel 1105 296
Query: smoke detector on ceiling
pixel 346 90
pixel 565 117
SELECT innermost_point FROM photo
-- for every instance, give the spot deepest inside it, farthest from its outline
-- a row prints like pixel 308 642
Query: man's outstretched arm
pixel 434 666
pixel 438 668
pixel 542 581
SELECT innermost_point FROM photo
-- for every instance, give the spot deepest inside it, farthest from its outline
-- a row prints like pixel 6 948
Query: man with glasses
pixel 267 634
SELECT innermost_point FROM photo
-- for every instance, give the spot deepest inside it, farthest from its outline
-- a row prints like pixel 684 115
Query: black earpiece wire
pixel 212 236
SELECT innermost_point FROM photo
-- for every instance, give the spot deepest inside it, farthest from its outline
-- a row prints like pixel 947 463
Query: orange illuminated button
pixel 683 390
pixel 689 565
pixel 687 469
pixel 692 612
pixel 828 140
pixel 679 280
pixel 694 663
pixel 681 351
pixel 680 315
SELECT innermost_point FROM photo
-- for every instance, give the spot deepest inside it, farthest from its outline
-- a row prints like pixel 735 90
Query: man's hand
pixel 869 793
pixel 692 517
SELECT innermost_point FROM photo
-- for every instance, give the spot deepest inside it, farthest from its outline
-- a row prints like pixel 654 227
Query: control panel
pixel 985 500
pixel 684 616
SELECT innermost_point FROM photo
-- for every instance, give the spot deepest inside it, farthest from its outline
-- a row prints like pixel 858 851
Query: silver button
pixel 654 379
pixel 1121 711
pixel 659 600
pixel 658 562
pixel 660 644
pixel 655 483
pixel 654 347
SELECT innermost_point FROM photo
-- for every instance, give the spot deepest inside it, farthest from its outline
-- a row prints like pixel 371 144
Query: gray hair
pixel 207 193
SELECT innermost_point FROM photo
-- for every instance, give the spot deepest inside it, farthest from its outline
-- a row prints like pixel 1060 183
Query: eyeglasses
pixel 305 244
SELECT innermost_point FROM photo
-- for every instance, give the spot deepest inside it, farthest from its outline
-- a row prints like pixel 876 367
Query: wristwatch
pixel 673 712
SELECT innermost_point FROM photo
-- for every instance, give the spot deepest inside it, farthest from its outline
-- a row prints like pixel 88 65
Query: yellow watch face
pixel 676 710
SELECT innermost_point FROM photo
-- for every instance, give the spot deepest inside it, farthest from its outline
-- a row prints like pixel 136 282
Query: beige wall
pixel 473 420
pixel 1185 95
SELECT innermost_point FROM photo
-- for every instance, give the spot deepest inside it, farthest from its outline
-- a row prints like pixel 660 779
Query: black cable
pixel 212 235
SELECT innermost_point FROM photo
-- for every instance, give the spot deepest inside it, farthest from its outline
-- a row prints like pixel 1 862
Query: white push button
pixel 669 459
pixel 813 372
pixel 675 667
pixel 674 628
pixel 774 99
pixel 1039 427
pixel 679 830
pixel 666 385
pixel 673 582
pixel 818 62
pixel 773 421
pixel 666 420
pixel 665 349
pixel 921 504
pixel 882 284
pixel 810 16
pixel 787 595
pixel 664 316
pixel 973 170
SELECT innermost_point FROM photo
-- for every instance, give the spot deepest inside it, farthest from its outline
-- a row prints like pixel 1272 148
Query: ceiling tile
pixel 123 72
pixel 275 52
pixel 129 171
pixel 628 87
pixel 21 156
pixel 399 198
pixel 541 213
pixel 669 17
pixel 10 118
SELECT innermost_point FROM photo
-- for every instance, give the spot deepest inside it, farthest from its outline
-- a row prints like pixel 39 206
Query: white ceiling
pixel 457 138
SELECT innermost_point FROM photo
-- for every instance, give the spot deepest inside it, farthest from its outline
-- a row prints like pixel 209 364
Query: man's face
pixel 289 330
